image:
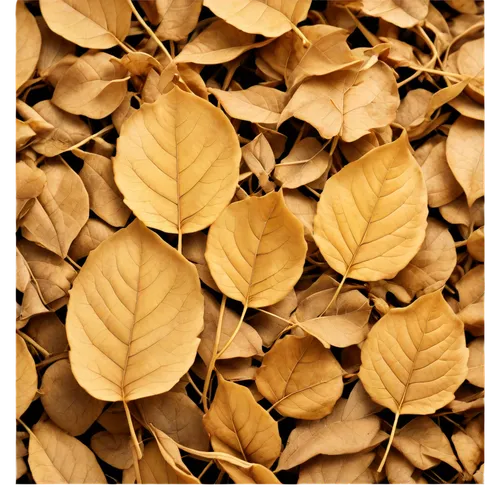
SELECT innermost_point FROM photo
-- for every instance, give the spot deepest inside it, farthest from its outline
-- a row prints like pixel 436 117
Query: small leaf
pixel 256 250
pixel 238 422
pixel 26 377
pixel 125 345
pixel 177 163
pixel 372 215
pixel 99 25
pixel 475 374
pixel 55 457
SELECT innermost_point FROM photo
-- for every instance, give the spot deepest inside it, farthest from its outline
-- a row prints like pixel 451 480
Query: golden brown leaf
pixel 475 244
pixel 96 24
pixel 114 449
pixel 238 422
pixel 48 331
pixel 177 163
pixel 93 233
pixel 26 377
pixel 475 375
pixel 300 378
pixel 402 13
pixel 256 250
pixel 371 216
pixel 176 18
pixel 66 403
pixel 58 458
pixel 471 305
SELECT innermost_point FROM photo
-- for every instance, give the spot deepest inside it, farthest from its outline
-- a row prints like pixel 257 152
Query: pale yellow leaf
pixel 94 86
pixel 402 13
pixel 241 424
pixel 134 317
pixel 66 403
pixel 349 103
pixel 256 250
pixel 300 378
pixel 465 154
pixel 60 211
pixel 270 18
pixel 26 377
pixel 177 163
pixel 96 24
pixel 255 104
pixel 28 44
pixel 415 357
pixel 55 457
pixel 372 215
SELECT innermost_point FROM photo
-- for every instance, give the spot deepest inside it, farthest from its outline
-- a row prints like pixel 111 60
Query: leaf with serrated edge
pixel 55 457
pixel 66 403
pixel 256 250
pixel 97 24
pixel 177 162
pixel 270 18
pixel 300 378
pixel 134 316
pixel 372 215
pixel 241 424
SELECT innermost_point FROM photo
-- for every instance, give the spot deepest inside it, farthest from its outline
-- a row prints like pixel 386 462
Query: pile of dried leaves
pixel 250 241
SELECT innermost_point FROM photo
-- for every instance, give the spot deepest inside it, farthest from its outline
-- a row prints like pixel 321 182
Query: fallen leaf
pixel 94 86
pixel 348 103
pixel 475 244
pixel 93 233
pixel 402 13
pixel 241 424
pixel 176 18
pixel 177 163
pixel 468 451
pixel 269 18
pixel 415 357
pixel 475 375
pixel 471 305
pixel 256 250
pixel 300 378
pixel 99 25
pixel 66 403
pixel 26 377
pixel 114 449
pixel 371 216
pixel 55 457
pixel 256 104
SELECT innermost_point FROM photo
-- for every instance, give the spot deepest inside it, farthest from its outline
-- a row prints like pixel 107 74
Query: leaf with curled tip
pixel 96 24
pixel 372 215
pixel 256 250
pixel 134 317
pixel 177 162
pixel 270 18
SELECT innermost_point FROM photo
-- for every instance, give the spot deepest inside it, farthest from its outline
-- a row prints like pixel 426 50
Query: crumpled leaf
pixel 96 24
pixel 66 403
pixel 139 352
pixel 177 163
pixel 256 250
pixel 94 86
pixel 300 378
pixel 26 377
pixel 427 340
pixel 238 422
pixel 55 457
pixel 270 18
pixel 348 103
pixel 371 216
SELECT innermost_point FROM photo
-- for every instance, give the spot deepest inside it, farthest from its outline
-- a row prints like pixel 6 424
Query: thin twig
pixel 36 345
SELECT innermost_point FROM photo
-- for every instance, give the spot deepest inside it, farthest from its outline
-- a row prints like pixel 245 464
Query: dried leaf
pixel 475 244
pixel 371 215
pixel 177 163
pixel 176 18
pixel 256 250
pixel 145 346
pixel 58 458
pixel 114 449
pixel 294 387
pixel 26 377
pixel 66 403
pixel 402 13
pixel 238 422
pixel 93 233
pixel 99 24
pixel 475 375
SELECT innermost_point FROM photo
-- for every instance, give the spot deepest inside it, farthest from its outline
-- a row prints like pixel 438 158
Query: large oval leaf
pixel 372 215
pixel 415 358
pixel 256 250
pixel 177 162
pixel 134 316
pixel 301 378
pixel 99 24
pixel 28 44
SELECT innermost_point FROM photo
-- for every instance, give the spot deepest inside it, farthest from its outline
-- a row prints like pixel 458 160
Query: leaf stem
pixel 301 35
pixel 135 458
pixel 52 359
pixel 211 365
pixel 101 132
pixel 206 468
pixel 391 437
pixel 73 263
pixel 233 335
pixel 179 243
pixel 314 192
pixel 195 387
pixel 37 346
pixel 334 298
pixel 275 316
pixel 132 431
pixel 127 49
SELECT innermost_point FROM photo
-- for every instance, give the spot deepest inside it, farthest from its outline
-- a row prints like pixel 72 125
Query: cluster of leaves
pixel 250 241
